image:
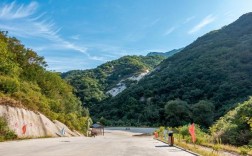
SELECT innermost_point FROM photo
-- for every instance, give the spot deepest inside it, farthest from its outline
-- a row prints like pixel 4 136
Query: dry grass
pixel 208 149
pixel 192 148
pixel 223 147
pixel 10 102
pixel 228 148
pixel 197 149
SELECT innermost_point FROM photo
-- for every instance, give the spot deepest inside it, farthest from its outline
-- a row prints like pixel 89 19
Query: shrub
pixel 243 150
pixel 5 132
pixel 235 127
pixel 160 132
pixel 201 136
pixel 8 84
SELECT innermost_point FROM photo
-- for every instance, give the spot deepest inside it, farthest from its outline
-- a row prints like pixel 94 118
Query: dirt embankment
pixel 26 123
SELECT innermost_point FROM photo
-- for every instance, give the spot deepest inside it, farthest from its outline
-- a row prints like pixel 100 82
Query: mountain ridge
pixel 165 54
pixel 216 68
pixel 95 85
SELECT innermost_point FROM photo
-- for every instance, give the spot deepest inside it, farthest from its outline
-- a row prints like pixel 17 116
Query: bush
pixel 160 132
pixel 235 127
pixel 5 132
pixel 201 136
pixel 244 150
pixel 8 84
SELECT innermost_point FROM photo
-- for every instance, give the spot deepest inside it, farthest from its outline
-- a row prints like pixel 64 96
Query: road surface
pixel 114 143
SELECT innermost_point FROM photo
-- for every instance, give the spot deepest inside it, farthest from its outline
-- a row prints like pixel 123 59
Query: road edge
pixel 196 154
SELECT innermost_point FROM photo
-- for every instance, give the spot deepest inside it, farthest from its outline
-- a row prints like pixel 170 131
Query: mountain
pixel 107 80
pixel 24 80
pixel 200 83
pixel 165 54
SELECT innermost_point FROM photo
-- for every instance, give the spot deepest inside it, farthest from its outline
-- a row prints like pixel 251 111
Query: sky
pixel 82 34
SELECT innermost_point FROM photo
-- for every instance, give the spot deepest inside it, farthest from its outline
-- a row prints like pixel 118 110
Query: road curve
pixel 114 143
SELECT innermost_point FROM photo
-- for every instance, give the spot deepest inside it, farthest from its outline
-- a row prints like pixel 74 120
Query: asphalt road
pixel 114 143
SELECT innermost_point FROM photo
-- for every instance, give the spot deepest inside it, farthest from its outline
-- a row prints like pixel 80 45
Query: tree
pixel 103 121
pixel 23 78
pixel 177 113
pixel 203 113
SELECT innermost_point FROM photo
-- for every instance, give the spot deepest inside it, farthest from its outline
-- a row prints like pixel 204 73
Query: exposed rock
pixel 118 89
pixel 26 123
pixel 121 86
pixel 139 77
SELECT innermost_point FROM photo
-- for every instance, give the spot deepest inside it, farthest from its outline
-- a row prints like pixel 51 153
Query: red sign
pixel 192 132
pixel 24 129
pixel 156 134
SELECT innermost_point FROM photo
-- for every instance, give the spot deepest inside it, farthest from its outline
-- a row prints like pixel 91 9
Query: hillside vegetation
pixel 232 133
pixel 91 85
pixel 25 81
pixel 236 126
pixel 165 54
pixel 200 83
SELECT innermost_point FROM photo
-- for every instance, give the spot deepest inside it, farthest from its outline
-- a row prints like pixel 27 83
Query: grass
pixel 205 143
pixel 230 148
pixel 10 102
pixel 192 148
pixel 208 149
pixel 197 149
pixel 223 147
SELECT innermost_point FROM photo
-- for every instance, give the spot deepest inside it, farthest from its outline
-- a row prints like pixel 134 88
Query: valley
pixel 147 72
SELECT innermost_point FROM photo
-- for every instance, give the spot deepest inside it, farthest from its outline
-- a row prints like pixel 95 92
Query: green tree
pixel 177 113
pixel 23 78
pixel 103 121
pixel 203 113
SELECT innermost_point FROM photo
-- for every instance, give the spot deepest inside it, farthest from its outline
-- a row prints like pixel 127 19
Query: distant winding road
pixel 114 143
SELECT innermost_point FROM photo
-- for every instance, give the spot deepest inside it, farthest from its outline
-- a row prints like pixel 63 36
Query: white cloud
pixel 63 64
pixel 13 11
pixel 189 19
pixel 75 37
pixel 23 21
pixel 169 31
pixel 206 21
pixel 97 58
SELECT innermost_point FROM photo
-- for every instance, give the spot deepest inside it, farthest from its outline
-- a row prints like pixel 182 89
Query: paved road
pixel 114 143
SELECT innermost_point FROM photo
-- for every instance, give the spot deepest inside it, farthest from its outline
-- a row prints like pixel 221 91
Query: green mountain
pixel 96 85
pixel 201 83
pixel 24 82
pixel 165 54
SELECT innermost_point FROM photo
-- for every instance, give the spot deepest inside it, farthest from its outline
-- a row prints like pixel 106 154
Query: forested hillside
pixel 24 82
pixel 201 83
pixel 165 54
pixel 91 86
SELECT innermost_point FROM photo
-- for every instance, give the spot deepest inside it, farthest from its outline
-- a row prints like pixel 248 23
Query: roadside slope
pixel 28 124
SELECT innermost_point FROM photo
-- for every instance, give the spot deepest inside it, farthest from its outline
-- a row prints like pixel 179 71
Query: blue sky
pixel 81 34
